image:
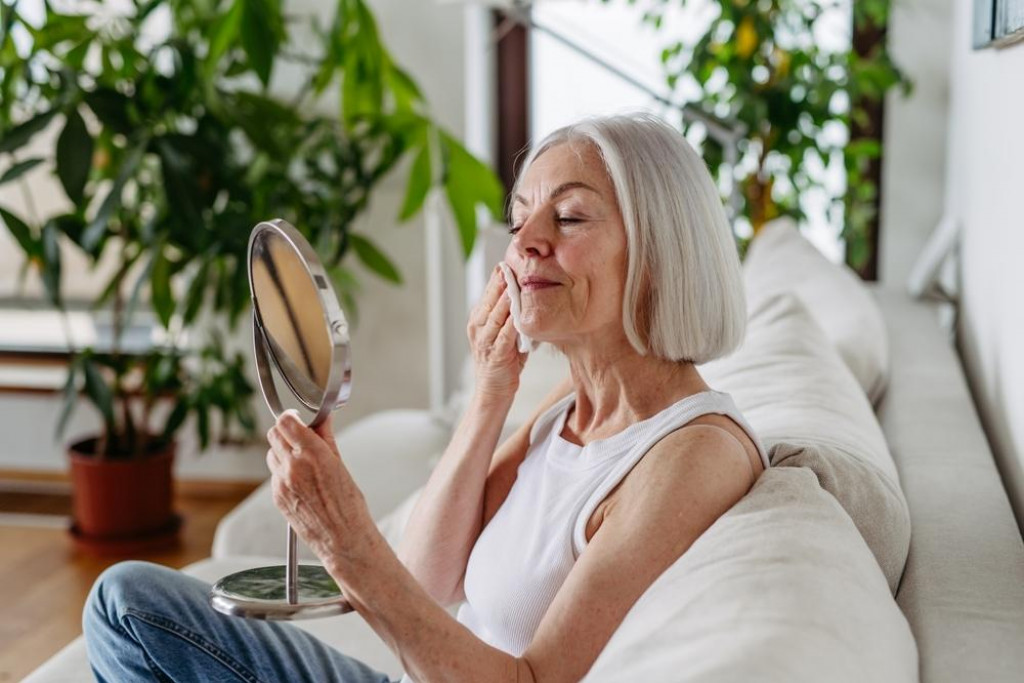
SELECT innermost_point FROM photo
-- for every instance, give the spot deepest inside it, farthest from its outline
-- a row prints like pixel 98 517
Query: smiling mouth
pixel 536 285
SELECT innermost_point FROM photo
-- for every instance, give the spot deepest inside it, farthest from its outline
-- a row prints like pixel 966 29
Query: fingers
pixel 325 430
pixel 507 336
pixel 273 460
pixel 280 448
pixel 296 434
pixel 500 313
pixel 291 436
pixel 495 288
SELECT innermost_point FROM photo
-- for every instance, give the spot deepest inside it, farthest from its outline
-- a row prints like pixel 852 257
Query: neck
pixel 616 386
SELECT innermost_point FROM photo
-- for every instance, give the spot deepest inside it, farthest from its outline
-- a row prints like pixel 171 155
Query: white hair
pixel 684 298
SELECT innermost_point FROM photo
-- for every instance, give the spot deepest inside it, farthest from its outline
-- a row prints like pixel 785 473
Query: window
pixel 565 86
pixel 998 22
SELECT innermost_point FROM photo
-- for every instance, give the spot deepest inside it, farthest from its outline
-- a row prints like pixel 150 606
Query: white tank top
pixel 524 554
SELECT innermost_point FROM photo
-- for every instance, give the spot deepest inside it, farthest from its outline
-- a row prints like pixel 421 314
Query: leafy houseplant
pixel 170 150
pixel 758 63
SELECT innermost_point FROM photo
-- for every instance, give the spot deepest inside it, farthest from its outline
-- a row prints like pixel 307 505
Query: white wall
pixel 390 343
pixel 985 183
pixel 914 160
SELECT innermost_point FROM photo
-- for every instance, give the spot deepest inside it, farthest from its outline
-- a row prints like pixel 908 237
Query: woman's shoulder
pixel 705 446
pixel 713 436
pixel 695 467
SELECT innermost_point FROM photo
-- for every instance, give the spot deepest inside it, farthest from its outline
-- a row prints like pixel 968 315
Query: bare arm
pixel 689 480
pixel 446 520
pixel 450 512
pixel 463 493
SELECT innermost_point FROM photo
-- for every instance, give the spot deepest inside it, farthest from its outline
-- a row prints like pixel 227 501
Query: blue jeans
pixel 144 622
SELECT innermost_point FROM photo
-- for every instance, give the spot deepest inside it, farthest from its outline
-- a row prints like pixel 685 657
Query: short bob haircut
pixel 684 298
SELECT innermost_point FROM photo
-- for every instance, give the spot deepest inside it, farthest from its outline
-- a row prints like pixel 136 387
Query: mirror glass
pixel 288 309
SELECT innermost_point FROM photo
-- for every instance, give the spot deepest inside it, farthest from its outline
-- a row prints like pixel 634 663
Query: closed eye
pixel 560 219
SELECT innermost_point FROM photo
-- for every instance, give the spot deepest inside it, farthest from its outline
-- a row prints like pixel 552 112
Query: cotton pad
pixel 512 289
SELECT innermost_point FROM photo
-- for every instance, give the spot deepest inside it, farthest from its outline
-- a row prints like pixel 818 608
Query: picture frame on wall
pixel 998 23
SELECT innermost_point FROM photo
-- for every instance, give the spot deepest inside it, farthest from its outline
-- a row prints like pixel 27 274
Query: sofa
pixel 902 564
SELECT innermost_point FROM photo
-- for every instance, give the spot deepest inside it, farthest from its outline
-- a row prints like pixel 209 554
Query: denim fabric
pixel 144 622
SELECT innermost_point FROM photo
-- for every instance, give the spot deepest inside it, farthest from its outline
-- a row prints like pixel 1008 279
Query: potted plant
pixel 759 63
pixel 170 149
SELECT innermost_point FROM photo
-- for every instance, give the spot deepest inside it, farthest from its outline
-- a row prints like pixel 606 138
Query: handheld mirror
pixel 300 335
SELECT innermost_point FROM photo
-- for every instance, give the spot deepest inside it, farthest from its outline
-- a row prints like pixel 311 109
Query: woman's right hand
pixel 493 341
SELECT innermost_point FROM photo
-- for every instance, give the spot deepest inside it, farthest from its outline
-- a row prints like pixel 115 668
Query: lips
pixel 534 283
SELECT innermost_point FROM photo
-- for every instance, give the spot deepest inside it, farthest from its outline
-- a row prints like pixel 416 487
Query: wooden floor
pixel 44 581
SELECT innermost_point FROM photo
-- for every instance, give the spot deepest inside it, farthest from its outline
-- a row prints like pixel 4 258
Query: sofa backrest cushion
pixel 802 401
pixel 780 259
pixel 780 588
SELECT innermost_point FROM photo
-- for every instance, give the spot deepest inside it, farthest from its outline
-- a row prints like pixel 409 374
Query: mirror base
pixel 259 593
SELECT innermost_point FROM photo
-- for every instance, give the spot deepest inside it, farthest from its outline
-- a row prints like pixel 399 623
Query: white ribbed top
pixel 524 554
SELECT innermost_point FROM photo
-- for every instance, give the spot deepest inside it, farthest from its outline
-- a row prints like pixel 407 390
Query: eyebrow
pixel 561 189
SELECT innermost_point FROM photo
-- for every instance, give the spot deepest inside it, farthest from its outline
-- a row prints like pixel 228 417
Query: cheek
pixel 606 286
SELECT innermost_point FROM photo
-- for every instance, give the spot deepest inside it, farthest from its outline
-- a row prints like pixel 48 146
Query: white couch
pixel 962 591
pixel 809 577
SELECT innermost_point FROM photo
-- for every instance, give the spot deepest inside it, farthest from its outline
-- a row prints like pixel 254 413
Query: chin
pixel 539 333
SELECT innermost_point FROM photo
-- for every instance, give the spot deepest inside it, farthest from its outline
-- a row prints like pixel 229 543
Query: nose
pixel 533 238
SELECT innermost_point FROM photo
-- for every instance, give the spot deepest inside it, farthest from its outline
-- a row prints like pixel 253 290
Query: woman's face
pixel 568 249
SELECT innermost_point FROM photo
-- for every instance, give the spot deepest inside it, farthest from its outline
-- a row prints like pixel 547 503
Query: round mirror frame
pixel 339 380
pixel 308 590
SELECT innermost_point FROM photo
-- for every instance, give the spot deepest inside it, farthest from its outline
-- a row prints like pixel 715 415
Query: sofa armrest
pixel 389 454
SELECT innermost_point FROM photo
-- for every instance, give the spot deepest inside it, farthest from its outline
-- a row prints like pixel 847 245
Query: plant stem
pixel 30 203
pixel 115 352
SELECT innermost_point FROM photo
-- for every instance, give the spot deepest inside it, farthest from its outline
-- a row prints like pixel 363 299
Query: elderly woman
pixel 626 264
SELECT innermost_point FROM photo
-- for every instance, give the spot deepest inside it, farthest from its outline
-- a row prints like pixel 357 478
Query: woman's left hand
pixel 315 493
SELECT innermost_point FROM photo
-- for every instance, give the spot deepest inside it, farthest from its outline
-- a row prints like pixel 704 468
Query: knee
pixel 120 586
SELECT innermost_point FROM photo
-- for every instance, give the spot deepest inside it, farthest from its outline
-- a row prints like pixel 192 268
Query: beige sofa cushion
pixel 780 259
pixel 780 588
pixel 805 405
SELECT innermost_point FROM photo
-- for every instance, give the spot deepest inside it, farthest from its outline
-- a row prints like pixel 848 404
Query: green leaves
pixel 112 108
pixel 96 231
pixel 69 397
pixel 160 287
pixel 404 91
pixel 262 28
pixel 22 234
pixel 18 137
pixel 85 375
pixel 365 61
pixel 175 420
pixel 270 125
pixel 98 391
pixel 374 259
pixel 42 251
pixel 173 150
pixel 51 263
pixel 226 30
pixel 418 185
pixel 757 62
pixel 19 169
pixel 196 291
pixel 468 182
pixel 74 156
pixel 59 28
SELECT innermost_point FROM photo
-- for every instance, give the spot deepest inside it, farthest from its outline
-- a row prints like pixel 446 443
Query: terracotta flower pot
pixel 122 506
